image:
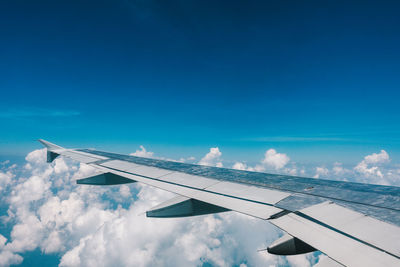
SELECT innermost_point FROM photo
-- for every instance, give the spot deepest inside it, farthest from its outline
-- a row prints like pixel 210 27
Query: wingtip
pixel 49 145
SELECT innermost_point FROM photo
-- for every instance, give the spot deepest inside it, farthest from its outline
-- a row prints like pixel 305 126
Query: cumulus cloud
pixel 7 258
pixel 239 166
pixel 374 158
pixel 42 208
pixel 142 152
pixel 363 168
pixel 89 225
pixel 275 160
pixel 5 179
pixel 272 161
pixel 125 191
pixel 374 168
pixel 370 168
pixel 320 171
pixel 212 158
pixel 338 168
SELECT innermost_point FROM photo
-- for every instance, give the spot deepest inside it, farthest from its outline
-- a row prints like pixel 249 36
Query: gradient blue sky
pixel 318 80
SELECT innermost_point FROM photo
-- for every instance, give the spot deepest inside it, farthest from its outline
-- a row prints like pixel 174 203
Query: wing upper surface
pixel 354 224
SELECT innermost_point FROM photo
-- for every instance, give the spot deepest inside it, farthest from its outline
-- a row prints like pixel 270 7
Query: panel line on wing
pixel 312 193
pixel 305 216
pixel 190 187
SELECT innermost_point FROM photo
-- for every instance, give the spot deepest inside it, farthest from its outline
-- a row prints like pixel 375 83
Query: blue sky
pixel 316 80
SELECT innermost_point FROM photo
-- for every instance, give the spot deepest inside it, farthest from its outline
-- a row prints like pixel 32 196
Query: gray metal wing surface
pixel 353 224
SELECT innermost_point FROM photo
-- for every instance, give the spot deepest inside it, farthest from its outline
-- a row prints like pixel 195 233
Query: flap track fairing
pixel 181 206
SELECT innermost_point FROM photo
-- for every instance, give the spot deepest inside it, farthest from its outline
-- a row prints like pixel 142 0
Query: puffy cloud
pixel 26 235
pixel 239 166
pixel 136 240
pixel 143 153
pixel 60 166
pixel 291 171
pixel 212 158
pixel 363 168
pixel 6 256
pixel 375 158
pixel 321 171
pixel 338 168
pixel 305 261
pixel 44 209
pixel 5 179
pixel 125 191
pixel 370 168
pixel 189 159
pixel 53 243
pixel 273 160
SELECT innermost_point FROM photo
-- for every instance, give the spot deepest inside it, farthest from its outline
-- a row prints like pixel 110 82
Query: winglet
pixel 49 146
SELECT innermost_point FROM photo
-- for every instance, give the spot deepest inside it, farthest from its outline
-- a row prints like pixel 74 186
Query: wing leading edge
pixel 353 224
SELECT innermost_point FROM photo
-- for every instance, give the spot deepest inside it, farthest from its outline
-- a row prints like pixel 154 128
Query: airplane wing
pixel 353 224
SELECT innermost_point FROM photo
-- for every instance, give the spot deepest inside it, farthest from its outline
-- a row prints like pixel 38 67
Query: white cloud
pixel 139 241
pixel 8 258
pixel 125 191
pixel 338 168
pixel 26 235
pixel 239 166
pixel 5 162
pixel 5 179
pixel 273 160
pixel 30 190
pixel 212 158
pixel 53 243
pixel 320 171
pixel 363 168
pixel 291 171
pixel 302 260
pixel 375 158
pixel 142 153
pixel 37 157
pixel 189 159
pixel 60 166
pixel 370 169
pixel 48 211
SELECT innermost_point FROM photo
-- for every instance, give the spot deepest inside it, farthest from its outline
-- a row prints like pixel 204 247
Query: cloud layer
pixel 89 225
